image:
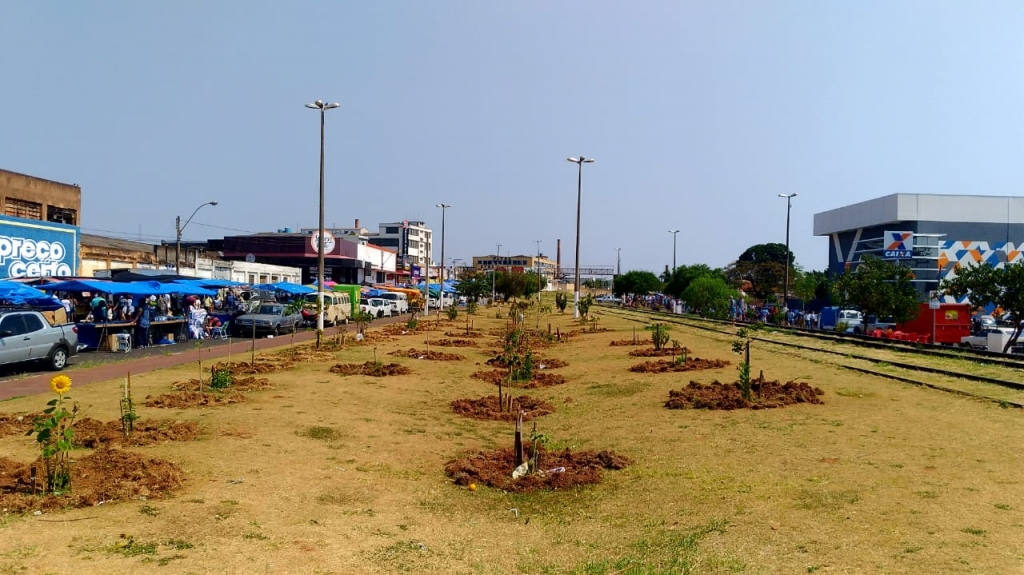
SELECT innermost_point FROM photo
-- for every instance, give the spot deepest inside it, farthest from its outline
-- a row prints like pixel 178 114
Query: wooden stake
pixel 518 444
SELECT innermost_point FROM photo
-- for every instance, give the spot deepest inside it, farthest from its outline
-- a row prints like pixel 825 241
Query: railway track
pixel 998 380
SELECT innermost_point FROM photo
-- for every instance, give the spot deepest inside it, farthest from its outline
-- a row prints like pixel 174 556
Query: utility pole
pixel 579 201
pixel 785 288
pixel 323 107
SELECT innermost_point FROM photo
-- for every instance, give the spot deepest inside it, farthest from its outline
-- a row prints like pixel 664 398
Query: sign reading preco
pixel 33 248
pixel 898 245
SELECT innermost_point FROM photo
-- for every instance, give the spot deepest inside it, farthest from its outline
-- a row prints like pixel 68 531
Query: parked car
pixel 980 339
pixel 337 308
pixel 375 306
pixel 28 336
pixel 399 302
pixel 268 319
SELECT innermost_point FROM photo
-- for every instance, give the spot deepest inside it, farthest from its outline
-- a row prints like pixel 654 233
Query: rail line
pixel 716 326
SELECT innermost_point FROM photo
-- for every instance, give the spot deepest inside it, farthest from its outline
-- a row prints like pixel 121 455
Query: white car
pixel 375 306
pixel 980 339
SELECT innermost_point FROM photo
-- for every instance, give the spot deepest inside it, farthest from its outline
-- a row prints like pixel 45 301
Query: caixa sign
pixel 898 245
pixel 34 248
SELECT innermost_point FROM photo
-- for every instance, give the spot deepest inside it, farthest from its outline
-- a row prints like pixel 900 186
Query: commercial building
pixel 32 198
pixel 539 264
pixel 413 241
pixel 38 229
pixel 931 233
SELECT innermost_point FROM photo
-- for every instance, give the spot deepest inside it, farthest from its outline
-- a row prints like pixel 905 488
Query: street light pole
pixel 440 292
pixel 618 261
pixel 674 233
pixel 785 288
pixel 494 271
pixel 178 228
pixel 579 200
pixel 536 267
pixel 323 107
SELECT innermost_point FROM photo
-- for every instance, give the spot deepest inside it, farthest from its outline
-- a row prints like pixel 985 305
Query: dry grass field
pixel 345 474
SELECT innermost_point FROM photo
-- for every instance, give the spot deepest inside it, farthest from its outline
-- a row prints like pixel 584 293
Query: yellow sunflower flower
pixel 60 384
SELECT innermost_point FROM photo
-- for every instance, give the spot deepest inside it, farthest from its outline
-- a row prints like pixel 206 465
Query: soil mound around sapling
pixel 728 396
pixel 488 408
pixel 539 361
pixel 496 376
pixel 93 433
pixel 262 365
pixel 473 334
pixel 306 354
pixel 447 342
pixel 17 424
pixel 691 364
pixel 375 369
pixel 431 355
pixel 559 469
pixel 187 399
pixel 106 475
pixel 628 342
pixel 237 384
pixel 422 326
pixel 663 352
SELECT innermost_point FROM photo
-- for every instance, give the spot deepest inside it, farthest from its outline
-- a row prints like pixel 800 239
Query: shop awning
pixel 286 287
pixel 127 288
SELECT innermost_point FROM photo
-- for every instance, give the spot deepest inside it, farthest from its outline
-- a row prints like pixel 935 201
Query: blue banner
pixel 34 248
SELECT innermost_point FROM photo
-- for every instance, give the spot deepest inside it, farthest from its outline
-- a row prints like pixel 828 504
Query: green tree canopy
pixel 766 253
pixel 514 285
pixel 682 276
pixel 764 267
pixel 708 296
pixel 474 285
pixel 880 287
pixel 984 284
pixel 636 283
pixel 812 285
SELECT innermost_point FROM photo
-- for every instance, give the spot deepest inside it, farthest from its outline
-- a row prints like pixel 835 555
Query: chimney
pixel 558 258
pixel 357 224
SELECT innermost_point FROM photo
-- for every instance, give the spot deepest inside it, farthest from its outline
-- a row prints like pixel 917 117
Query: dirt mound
pixel 306 355
pixel 186 399
pixel 105 475
pixel 764 395
pixel 538 380
pixel 17 424
pixel 561 469
pixel 446 342
pixel 422 326
pixel 237 384
pixel 375 369
pixel 487 408
pixel 539 361
pixel 431 355
pixel 625 342
pixel 260 367
pixel 691 364
pixel 663 352
pixel 92 433
pixel 473 334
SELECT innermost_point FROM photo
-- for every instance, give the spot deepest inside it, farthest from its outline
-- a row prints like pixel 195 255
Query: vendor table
pixel 96 335
pixel 159 329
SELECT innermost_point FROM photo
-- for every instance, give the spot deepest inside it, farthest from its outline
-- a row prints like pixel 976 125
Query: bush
pixel 221 379
pixel 471 307
pixel 452 312
pixel 659 335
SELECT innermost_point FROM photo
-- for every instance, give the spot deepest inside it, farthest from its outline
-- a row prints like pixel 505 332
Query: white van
pixel 337 308
pixel 399 302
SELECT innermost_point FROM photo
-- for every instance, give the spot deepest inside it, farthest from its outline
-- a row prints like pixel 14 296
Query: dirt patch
pixel 306 355
pixel 260 367
pixel 447 342
pixel 487 408
pixel 727 396
pixel 431 355
pixel 626 342
pixel 186 399
pixel 561 469
pixel 691 364
pixel 538 380
pixel 93 433
pixel 539 361
pixel 371 368
pixel 473 334
pixel 663 352
pixel 17 424
pixel 422 326
pixel 105 475
pixel 237 384
pixel 369 337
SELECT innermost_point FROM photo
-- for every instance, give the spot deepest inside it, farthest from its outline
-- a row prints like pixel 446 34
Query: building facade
pixel 539 264
pixel 32 198
pixel 412 241
pixel 931 233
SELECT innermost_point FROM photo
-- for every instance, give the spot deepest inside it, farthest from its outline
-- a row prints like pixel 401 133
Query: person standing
pixel 142 319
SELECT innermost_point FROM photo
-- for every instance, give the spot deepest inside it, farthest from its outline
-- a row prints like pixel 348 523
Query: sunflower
pixel 60 384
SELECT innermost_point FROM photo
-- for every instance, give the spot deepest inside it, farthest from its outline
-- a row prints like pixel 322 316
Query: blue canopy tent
pixel 15 293
pixel 213 283
pixel 289 288
pixel 127 288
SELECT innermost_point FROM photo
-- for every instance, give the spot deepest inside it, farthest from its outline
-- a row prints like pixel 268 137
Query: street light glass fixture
pixel 785 288
pixel 323 107
pixel 178 228
pixel 440 275
pixel 579 200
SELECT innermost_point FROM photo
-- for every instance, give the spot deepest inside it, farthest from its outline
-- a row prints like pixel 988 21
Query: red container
pixel 946 325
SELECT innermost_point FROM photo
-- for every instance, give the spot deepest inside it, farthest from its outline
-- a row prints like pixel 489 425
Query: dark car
pixel 268 319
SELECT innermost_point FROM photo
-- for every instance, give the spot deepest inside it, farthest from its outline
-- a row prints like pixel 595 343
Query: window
pixel 61 215
pixel 12 325
pixel 390 230
pixel 32 323
pixel 23 209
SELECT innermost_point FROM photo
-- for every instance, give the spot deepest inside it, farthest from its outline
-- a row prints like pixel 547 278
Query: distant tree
pixel 597 283
pixel 636 283
pixel 811 285
pixel 681 277
pixel 880 287
pixel 514 285
pixel 1002 287
pixel 709 296
pixel 764 267
pixel 474 285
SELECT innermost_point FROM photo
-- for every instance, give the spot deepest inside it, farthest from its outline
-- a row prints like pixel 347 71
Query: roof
pixel 94 241
pixel 921 207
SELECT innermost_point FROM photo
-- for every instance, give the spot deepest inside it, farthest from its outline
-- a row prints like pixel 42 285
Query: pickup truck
pixel 28 336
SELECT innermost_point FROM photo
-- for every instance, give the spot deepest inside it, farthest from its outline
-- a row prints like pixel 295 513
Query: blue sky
pixel 698 113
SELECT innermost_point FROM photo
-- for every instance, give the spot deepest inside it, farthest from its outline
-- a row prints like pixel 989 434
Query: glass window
pixel 390 230
pixel 61 215
pixel 32 323
pixel 13 324
pixel 23 209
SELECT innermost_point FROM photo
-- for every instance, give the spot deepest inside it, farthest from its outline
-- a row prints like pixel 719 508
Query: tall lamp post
pixel 440 292
pixel 674 233
pixel 536 267
pixel 323 107
pixel 494 272
pixel 579 200
pixel 618 261
pixel 785 288
pixel 178 228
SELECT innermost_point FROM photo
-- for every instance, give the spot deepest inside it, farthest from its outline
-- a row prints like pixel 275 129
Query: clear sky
pixel 699 114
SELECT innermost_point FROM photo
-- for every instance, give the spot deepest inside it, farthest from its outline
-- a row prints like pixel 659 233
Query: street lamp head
pixel 332 106
pixel 319 103
pixel 213 203
pixel 673 231
pixel 787 195
pixel 588 160
pixel 312 106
